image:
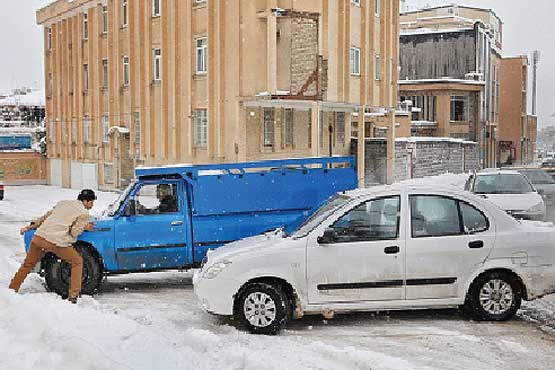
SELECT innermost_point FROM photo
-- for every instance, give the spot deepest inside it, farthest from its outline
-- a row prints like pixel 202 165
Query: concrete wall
pixel 19 167
pixel 420 157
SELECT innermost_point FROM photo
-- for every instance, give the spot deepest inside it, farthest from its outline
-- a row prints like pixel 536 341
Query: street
pixel 158 314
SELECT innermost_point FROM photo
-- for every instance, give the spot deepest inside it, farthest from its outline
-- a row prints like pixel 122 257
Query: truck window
pixel 156 199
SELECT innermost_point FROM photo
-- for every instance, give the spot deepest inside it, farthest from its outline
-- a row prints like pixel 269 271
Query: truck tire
pixel 263 308
pixel 494 296
pixel 57 273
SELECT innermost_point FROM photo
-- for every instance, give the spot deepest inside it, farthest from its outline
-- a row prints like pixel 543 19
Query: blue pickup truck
pixel 170 216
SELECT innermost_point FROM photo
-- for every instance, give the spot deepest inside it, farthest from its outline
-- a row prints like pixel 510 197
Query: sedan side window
pixel 434 216
pixel 373 220
pixel 474 221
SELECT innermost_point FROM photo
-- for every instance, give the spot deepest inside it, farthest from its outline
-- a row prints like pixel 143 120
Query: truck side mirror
pixel 329 237
pixel 129 208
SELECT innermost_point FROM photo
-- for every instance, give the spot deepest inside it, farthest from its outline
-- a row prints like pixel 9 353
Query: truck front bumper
pixel 216 295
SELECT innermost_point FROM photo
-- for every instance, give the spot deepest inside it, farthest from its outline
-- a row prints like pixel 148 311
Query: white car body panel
pixel 524 247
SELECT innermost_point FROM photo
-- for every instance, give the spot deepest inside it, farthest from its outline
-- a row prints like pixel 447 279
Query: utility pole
pixel 535 61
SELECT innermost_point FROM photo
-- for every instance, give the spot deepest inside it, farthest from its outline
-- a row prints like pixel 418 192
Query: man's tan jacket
pixel 63 223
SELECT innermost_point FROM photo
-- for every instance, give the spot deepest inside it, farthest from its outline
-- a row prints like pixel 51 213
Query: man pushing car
pixel 57 230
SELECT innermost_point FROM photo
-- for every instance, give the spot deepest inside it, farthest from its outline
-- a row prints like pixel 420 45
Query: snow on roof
pixel 120 129
pixel 425 31
pixel 34 98
pixel 441 80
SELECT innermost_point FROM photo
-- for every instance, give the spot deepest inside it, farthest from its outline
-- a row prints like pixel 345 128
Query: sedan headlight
pixel 536 208
pixel 214 270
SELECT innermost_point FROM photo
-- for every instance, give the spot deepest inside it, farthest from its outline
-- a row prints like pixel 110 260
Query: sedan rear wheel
pixel 495 296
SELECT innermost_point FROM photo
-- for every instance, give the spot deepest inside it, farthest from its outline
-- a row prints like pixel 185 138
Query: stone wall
pixel 304 55
pixel 418 157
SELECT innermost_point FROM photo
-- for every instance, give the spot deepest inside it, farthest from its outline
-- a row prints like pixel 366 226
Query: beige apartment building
pixel 518 130
pixel 156 82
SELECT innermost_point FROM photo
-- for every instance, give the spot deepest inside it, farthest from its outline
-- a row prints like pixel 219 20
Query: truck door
pixel 152 232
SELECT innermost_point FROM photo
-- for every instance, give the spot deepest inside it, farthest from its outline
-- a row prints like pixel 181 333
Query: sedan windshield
pixel 538 177
pixel 321 214
pixel 502 184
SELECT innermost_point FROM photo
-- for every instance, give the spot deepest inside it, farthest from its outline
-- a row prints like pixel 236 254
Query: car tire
pixel 57 273
pixel 494 296
pixel 263 308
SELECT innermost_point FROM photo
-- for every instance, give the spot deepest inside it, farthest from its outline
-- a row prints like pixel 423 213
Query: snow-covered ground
pixel 153 321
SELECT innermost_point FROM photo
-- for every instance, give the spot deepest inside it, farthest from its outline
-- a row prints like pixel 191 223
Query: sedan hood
pixel 515 202
pixel 246 245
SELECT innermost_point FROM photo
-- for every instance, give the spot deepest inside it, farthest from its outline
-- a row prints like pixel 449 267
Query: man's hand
pixel 23 230
pixel 90 226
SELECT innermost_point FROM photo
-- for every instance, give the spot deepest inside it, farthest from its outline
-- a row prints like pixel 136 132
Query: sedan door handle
pixel 476 244
pixel 391 250
pixel 176 223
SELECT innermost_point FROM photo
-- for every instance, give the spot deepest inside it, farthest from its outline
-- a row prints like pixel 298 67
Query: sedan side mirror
pixel 329 237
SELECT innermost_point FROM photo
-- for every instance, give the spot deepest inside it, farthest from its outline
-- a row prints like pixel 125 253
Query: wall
pixel 418 157
pixel 17 168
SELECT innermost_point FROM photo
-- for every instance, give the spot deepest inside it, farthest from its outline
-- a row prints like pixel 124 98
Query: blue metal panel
pixel 15 142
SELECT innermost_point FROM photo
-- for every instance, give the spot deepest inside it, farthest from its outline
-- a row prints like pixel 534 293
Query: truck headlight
pixel 214 270
pixel 536 208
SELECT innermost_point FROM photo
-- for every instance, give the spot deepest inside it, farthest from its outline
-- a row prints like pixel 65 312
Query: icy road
pixel 153 321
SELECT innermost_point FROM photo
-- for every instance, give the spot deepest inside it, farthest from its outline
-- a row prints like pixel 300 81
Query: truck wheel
pixel 58 273
pixel 263 308
pixel 494 296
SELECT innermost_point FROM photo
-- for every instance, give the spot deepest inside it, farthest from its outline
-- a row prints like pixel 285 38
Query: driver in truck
pixel 57 230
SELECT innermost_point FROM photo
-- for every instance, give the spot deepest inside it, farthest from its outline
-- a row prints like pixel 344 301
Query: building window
pixel 155 8
pixel 104 18
pixel 157 65
pixel 355 61
pixel 288 126
pixel 377 7
pixel 137 128
pixel 105 73
pixel 49 38
pixel 125 70
pixel 268 126
pixel 85 77
pixel 74 131
pixel 50 84
pixel 105 128
pixel 124 12
pixel 459 108
pixel 86 130
pixel 202 55
pixel 377 67
pixel 51 132
pixel 85 26
pixel 340 128
pixel 424 107
pixel 201 128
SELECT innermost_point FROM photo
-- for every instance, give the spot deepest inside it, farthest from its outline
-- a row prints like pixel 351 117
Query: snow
pixel 153 321
pixel 33 98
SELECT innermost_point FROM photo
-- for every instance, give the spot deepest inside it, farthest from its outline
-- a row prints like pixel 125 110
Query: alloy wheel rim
pixel 259 309
pixel 496 296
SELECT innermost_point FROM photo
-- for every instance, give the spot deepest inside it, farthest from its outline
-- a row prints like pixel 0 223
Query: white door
pixel 76 175
pixel 361 255
pixel 447 239
pixel 89 176
pixel 56 172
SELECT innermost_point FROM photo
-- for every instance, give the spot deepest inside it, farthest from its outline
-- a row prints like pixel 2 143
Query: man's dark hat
pixel 86 194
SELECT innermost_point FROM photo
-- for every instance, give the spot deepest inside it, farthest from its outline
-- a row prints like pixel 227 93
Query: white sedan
pixel 385 248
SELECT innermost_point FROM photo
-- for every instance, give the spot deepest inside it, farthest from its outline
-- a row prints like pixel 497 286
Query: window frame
pixel 355 61
pixel 457 201
pixel 85 26
pixel 105 72
pixel 85 77
pixel 268 127
pixel 157 64
pixel 104 19
pixel 202 68
pixel 201 128
pixel 126 70
pixel 124 15
pixel 156 4
pixel 398 232
pixel 466 111
pixel 377 69
pixel 289 124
